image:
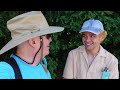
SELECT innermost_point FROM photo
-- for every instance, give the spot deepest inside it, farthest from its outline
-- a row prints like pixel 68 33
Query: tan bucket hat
pixel 26 26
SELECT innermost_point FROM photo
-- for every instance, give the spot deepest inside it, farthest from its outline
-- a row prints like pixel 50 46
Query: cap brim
pixel 14 42
pixel 92 30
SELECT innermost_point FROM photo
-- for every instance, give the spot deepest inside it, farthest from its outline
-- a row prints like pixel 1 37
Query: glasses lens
pixel 48 36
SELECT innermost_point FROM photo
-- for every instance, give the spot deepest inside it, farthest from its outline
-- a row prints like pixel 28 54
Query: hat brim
pixel 14 42
pixel 92 30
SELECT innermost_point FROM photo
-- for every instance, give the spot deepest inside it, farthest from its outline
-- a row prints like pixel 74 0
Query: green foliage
pixel 52 66
pixel 70 38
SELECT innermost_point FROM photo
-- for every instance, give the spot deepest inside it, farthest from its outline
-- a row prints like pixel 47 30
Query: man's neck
pixel 93 52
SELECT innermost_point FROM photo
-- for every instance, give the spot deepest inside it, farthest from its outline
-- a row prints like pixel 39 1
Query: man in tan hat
pixel 30 32
pixel 91 60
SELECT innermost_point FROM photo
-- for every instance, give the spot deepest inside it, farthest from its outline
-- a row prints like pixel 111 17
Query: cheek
pixel 46 47
pixel 83 40
pixel 46 50
pixel 97 40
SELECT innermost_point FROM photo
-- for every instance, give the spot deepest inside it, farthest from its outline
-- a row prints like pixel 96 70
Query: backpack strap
pixel 15 67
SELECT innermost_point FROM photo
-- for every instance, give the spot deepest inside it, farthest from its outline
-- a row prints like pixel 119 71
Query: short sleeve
pixel 69 67
pixel 6 71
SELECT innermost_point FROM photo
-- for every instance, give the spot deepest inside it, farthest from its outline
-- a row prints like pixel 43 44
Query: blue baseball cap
pixel 93 26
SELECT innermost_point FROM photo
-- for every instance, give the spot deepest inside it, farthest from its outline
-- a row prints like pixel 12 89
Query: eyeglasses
pixel 48 36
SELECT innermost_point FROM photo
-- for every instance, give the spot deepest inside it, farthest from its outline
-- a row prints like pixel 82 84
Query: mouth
pixel 48 47
pixel 88 44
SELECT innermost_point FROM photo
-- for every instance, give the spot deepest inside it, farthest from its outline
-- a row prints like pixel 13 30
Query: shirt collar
pixel 101 52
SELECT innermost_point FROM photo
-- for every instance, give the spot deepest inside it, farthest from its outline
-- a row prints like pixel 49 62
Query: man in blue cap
pixel 91 60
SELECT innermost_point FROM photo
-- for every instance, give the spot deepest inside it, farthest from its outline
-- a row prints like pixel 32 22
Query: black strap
pixel 15 67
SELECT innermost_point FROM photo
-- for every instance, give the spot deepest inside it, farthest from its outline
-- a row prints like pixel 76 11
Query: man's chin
pixel 89 48
pixel 47 54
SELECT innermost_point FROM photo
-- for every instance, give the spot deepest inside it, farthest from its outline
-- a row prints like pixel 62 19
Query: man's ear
pixel 103 35
pixel 32 42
